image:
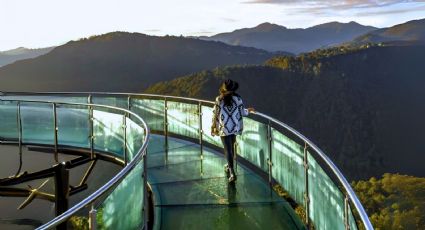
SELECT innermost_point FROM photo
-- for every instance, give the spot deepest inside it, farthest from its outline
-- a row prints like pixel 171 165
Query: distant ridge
pixel 273 37
pixel 121 61
pixel 411 31
pixel 21 53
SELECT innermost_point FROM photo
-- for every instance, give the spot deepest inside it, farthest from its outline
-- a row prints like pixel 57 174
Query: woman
pixel 227 120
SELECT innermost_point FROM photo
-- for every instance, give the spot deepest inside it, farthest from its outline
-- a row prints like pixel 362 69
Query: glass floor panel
pixel 249 216
pixel 190 193
pixel 176 155
pixel 247 189
pixel 157 144
pixel 183 168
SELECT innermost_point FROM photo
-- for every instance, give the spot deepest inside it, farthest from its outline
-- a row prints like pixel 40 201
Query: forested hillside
pixel 364 108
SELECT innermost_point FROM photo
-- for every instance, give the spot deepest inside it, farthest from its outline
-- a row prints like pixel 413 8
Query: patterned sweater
pixel 227 120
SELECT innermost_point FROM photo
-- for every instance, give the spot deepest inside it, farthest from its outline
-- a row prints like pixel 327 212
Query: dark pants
pixel 229 150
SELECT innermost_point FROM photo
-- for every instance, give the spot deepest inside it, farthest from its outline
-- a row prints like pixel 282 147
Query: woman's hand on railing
pixel 251 110
pixel 214 131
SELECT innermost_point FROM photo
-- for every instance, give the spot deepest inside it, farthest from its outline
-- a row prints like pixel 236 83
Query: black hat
pixel 230 85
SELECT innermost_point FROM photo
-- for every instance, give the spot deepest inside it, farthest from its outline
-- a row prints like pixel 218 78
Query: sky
pixel 44 23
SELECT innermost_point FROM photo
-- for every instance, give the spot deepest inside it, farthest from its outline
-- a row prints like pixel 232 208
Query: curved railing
pixel 281 153
pixel 111 131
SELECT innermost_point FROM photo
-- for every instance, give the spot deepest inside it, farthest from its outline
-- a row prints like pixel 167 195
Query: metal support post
pixel 145 192
pixel 129 103
pixel 166 129
pixel 19 122
pixel 346 217
pixel 269 159
pixel 61 191
pixel 92 218
pixel 88 172
pixel 124 126
pixel 91 137
pixel 306 196
pixel 55 128
pixel 201 131
pixel 91 120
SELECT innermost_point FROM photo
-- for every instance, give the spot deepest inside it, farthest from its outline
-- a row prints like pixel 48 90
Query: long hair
pixel 228 90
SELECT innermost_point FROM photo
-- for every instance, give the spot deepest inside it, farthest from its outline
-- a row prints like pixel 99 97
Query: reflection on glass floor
pixel 190 193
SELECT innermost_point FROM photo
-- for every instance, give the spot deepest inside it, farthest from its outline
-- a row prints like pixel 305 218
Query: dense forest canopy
pixel 393 201
pixel 363 107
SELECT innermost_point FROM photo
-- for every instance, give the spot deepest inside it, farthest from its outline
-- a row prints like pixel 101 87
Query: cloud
pixel 394 11
pixel 229 19
pixel 202 32
pixel 336 4
pixel 335 7
pixel 152 30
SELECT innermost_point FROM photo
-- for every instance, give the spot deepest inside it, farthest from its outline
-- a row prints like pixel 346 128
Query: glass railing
pixel 278 151
pixel 99 131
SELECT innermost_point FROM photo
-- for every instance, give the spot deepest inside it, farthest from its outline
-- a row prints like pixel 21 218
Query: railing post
pixel 92 218
pixel 201 131
pixel 269 159
pixel 19 121
pixel 91 119
pixel 145 192
pixel 129 103
pixel 346 217
pixel 166 129
pixel 306 196
pixel 55 127
pixel 124 126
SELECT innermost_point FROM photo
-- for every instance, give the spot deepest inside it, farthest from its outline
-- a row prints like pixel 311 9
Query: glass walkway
pixel 172 174
pixel 191 193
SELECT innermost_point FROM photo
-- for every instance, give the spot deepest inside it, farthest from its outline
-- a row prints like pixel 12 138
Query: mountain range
pixel 276 38
pixel 120 62
pixel 10 56
pixel 272 37
pixel 411 31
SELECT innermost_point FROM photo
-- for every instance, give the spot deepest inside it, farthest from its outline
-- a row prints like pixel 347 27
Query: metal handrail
pixel 109 93
pixel 331 165
pixel 347 187
pixel 141 154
